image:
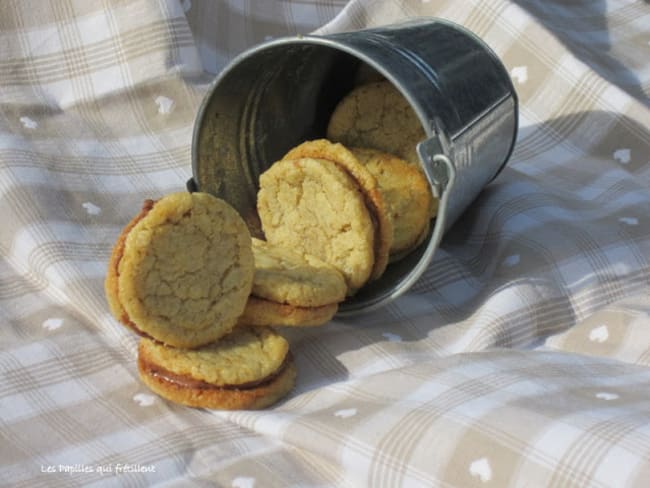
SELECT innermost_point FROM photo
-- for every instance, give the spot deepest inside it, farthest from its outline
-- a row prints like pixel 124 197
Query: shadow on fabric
pixel 583 29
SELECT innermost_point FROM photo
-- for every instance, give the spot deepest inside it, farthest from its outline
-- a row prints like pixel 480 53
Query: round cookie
pixel 402 254
pixel 286 277
pixel 250 368
pixel 261 313
pixel 181 272
pixel 315 207
pixel 377 115
pixel 406 192
pixel 340 155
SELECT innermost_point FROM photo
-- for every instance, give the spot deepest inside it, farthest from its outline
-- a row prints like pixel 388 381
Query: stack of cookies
pixel 357 200
pixel 204 296
pixel 186 276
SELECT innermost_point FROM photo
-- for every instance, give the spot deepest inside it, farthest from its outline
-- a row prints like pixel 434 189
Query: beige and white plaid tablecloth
pixel 520 358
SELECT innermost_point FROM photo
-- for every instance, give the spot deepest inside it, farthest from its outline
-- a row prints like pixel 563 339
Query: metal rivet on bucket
pixel 282 93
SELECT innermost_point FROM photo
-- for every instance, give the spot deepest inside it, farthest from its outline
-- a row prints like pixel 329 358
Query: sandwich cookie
pixel 313 206
pixel 182 270
pixel 408 195
pixel 250 368
pixel 376 115
pixel 373 197
pixel 291 289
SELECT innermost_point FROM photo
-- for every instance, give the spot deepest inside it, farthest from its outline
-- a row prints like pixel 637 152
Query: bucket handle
pixel 441 173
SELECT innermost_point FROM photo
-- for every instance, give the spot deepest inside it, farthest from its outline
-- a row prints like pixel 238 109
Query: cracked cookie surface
pixel 185 270
pixel 315 207
pixel 301 280
pixel 406 192
pixel 248 368
pixel 245 355
pixel 373 197
pixel 111 285
pixel 376 115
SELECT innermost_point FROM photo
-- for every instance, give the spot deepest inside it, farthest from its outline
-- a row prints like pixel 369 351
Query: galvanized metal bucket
pixel 282 93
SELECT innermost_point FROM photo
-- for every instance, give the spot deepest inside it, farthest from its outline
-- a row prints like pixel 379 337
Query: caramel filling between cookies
pixel 373 212
pixel 186 381
pixel 376 243
pixel 287 307
pixel 125 319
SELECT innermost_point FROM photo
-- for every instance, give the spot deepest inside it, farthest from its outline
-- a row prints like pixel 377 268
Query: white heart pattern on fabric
pixel 346 413
pixel 520 73
pixel 243 482
pixel 52 324
pixel 165 105
pixel 392 337
pixel 622 155
pixel 603 395
pixel 599 334
pixel 28 123
pixel 144 399
pixel 481 469
pixel 91 208
pixel 629 220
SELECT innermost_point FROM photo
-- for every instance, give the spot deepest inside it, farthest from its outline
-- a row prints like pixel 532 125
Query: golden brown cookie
pixel 291 289
pixel 261 312
pixel 407 194
pixel 340 155
pixel 421 238
pixel 315 207
pixel 249 368
pixel 111 282
pixel 182 270
pixel 377 115
pixel 302 280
